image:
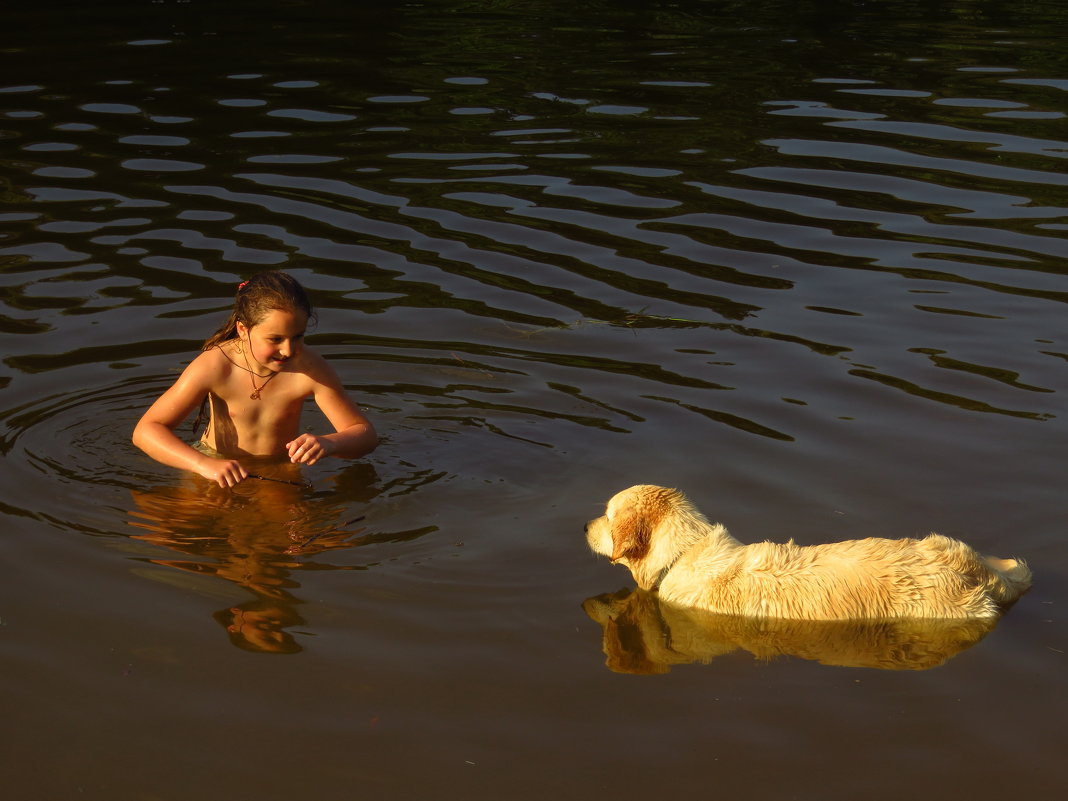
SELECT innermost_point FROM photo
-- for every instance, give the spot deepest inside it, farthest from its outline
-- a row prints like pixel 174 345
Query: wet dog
pixel 668 545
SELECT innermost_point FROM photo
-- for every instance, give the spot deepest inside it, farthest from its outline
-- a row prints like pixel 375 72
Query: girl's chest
pixel 250 397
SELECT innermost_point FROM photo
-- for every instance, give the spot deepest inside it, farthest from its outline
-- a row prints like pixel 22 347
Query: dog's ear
pixel 630 535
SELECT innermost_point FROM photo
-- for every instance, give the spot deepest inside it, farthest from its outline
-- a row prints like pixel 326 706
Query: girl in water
pixel 252 378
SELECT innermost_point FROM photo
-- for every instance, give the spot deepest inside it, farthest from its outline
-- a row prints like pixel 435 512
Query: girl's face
pixel 275 339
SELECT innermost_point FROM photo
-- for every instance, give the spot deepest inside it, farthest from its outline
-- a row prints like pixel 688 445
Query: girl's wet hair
pixel 259 296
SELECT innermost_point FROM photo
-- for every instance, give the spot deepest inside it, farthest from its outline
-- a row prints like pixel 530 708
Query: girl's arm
pixel 154 432
pixel 354 435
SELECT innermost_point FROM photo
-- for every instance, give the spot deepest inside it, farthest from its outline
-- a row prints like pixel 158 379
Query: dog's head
pixel 627 533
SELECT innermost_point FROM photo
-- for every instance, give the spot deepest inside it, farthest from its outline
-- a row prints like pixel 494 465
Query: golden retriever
pixel 670 546
pixel 642 634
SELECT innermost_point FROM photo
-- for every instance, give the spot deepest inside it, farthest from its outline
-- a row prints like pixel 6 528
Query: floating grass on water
pixel 629 320
pixel 302 484
pixel 640 318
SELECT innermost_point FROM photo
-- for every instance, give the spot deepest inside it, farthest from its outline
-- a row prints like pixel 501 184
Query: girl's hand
pixel 226 472
pixel 308 449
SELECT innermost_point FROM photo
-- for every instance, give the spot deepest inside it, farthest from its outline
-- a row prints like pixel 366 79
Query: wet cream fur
pixel 670 546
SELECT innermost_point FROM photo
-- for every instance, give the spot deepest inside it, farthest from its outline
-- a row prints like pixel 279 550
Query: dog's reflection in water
pixel 642 634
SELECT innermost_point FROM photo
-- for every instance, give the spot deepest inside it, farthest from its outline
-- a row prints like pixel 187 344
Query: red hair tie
pixel 242 285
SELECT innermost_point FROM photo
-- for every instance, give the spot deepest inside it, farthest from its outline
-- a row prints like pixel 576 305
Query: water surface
pixel 802 261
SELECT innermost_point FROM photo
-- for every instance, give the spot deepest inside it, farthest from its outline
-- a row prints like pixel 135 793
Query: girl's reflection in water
pixel 256 535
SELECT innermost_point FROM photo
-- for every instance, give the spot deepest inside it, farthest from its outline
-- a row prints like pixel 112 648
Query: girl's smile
pixel 275 339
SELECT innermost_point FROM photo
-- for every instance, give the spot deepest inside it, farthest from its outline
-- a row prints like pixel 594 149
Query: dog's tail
pixel 1015 577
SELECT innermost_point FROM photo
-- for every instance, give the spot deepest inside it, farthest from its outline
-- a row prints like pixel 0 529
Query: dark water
pixel 803 260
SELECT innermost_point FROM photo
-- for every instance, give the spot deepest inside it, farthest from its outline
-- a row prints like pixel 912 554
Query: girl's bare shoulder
pixel 317 368
pixel 210 365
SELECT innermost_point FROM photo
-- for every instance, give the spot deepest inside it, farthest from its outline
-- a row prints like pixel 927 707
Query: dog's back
pixel 936 577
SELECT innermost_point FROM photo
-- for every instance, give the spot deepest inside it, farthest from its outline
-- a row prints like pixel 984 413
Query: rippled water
pixel 803 261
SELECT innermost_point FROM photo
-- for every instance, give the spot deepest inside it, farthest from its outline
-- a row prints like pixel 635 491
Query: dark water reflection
pixel 802 260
